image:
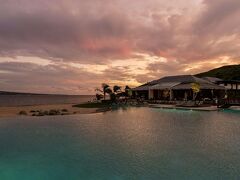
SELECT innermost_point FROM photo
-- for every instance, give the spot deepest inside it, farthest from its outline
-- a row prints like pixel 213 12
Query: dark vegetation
pixel 114 93
pixel 107 97
pixel 23 113
pixel 231 72
pixel 52 112
pixel 94 105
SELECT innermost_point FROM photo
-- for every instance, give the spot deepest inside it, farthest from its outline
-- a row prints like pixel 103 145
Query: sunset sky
pixel 72 46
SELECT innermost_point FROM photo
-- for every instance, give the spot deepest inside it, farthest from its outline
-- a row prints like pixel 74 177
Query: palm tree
pixel 111 94
pixel 128 91
pixel 106 89
pixel 99 96
pixel 116 89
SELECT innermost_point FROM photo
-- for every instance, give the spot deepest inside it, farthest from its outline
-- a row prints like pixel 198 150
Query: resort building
pixel 233 89
pixel 173 88
pixel 230 84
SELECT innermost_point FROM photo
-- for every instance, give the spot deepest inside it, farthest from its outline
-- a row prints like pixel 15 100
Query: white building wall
pixel 150 93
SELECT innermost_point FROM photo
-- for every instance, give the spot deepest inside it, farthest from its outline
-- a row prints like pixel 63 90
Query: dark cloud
pixel 53 30
pixel 96 32
pixel 219 16
pixel 52 78
pixel 101 32
pixel 215 32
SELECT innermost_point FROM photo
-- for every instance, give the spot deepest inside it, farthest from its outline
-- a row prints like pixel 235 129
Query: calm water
pixel 130 144
pixel 26 99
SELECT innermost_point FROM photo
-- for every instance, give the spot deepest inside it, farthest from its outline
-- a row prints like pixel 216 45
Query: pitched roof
pixel 183 86
pixel 182 79
pixel 166 85
pixel 141 88
pixel 229 81
pixel 212 79
pixel 179 81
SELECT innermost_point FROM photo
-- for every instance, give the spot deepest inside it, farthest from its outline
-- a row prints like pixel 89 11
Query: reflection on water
pixel 132 143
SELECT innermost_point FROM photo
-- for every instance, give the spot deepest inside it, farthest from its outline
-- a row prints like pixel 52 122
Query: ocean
pixel 32 99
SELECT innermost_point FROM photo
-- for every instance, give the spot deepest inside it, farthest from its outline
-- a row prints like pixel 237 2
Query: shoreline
pixel 13 111
pixel 69 109
pixel 207 108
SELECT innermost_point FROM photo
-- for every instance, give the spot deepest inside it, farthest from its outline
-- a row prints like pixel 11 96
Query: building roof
pixel 212 79
pixel 229 81
pixel 181 81
pixel 141 88
pixel 166 85
pixel 184 86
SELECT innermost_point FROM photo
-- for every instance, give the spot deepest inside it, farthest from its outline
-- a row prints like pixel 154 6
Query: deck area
pixel 166 106
pixel 228 103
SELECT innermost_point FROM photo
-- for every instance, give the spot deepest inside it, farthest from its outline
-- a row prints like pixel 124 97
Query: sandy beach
pixel 14 111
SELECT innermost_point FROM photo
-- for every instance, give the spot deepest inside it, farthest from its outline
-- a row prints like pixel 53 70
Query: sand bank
pixel 14 111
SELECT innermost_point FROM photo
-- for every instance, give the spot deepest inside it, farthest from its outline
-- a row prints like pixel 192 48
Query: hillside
pixel 231 72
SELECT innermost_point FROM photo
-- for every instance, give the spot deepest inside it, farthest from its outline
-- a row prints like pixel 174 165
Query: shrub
pixel 53 112
pixel 22 113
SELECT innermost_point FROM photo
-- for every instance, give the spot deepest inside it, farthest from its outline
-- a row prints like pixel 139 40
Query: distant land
pixel 230 72
pixel 14 93
pixel 23 93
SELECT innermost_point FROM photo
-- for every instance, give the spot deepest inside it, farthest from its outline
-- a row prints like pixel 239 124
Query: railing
pixel 226 103
pixel 221 103
pixel 233 101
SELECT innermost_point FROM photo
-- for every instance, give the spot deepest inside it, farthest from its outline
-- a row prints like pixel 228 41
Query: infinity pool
pixel 126 144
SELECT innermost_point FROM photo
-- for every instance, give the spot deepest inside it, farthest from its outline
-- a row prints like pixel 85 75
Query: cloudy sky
pixel 72 46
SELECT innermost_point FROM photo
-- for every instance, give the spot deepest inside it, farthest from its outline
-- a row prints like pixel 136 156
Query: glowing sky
pixel 72 46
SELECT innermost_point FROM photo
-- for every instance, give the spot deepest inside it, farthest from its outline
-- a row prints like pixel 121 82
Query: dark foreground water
pixel 130 144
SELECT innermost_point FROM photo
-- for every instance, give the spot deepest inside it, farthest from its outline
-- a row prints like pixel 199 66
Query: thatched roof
pixel 212 79
pixel 184 86
pixel 141 88
pixel 181 82
pixel 180 79
pixel 167 85
pixel 229 81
